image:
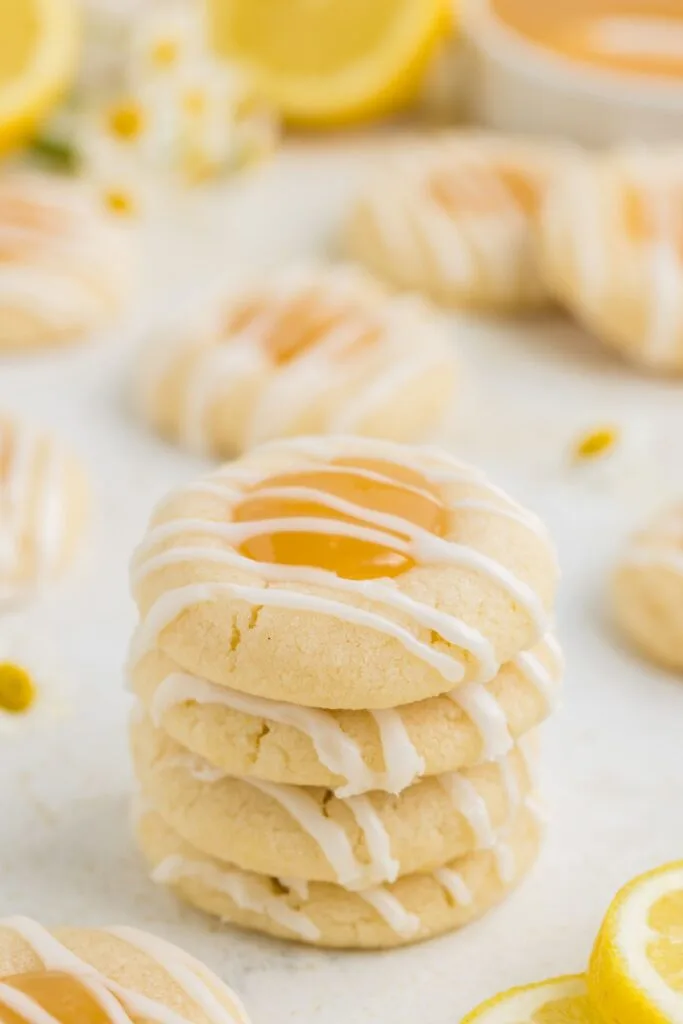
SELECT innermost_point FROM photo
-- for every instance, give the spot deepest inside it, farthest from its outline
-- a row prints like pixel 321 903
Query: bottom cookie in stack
pixel 415 907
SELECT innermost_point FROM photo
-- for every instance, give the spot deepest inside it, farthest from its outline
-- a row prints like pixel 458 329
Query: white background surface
pixel 613 770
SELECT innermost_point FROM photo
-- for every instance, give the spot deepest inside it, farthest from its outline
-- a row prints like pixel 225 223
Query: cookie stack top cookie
pixel 370 574
pixel 343 649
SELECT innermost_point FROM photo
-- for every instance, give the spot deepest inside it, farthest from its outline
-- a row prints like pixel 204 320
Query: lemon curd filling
pixel 383 488
pixel 17 689
pixel 57 993
pixel 643 37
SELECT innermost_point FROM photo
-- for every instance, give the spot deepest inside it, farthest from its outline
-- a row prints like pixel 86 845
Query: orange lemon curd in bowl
pixel 636 37
pixel 380 549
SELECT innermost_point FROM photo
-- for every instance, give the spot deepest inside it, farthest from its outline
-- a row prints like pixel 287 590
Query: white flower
pixel 611 452
pixel 167 38
pixel 116 180
pixel 143 123
pixel 208 94
pixel 32 694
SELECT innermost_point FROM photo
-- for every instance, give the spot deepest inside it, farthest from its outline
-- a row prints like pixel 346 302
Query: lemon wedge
pixel 329 62
pixel 636 971
pixel 38 55
pixel 557 1001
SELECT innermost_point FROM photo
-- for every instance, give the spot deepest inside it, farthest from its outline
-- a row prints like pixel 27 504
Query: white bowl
pixel 517 85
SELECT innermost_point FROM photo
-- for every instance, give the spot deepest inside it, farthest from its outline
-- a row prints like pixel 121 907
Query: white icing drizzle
pixel 332 838
pixel 509 779
pixel 455 884
pixel 32 496
pixel 391 910
pixel 214 368
pixel 468 801
pixel 544 680
pixel 384 866
pixel 402 762
pixel 122 1004
pixel 420 544
pixel 173 603
pixel 482 708
pixel 247 893
pixel 505 861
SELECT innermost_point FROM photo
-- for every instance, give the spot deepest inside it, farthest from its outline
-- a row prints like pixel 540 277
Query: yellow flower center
pixel 165 53
pixel 17 689
pixel 127 121
pixel 596 443
pixel 120 203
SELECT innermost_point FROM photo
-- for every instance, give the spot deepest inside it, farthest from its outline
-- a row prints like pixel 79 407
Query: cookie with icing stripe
pixel 351 752
pixel 309 350
pixel 105 976
pixel 612 231
pixel 455 218
pixel 65 267
pixel 414 908
pixel 647 588
pixel 43 508
pixel 369 574
pixel 309 833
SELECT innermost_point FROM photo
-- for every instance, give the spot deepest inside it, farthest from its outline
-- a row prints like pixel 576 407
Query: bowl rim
pixel 513 48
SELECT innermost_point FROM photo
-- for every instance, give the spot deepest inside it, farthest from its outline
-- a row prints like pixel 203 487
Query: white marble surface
pixel 613 767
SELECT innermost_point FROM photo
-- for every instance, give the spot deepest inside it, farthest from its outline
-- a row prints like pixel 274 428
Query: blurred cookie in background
pixel 612 232
pixel 647 589
pixel 309 350
pixel 455 217
pixel 65 267
pixel 43 509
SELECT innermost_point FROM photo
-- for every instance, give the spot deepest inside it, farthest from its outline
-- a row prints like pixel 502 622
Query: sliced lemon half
pixel 557 1001
pixel 329 62
pixel 38 56
pixel 636 970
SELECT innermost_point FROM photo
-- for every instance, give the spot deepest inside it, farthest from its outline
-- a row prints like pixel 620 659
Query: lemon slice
pixel 557 1001
pixel 326 62
pixel 38 54
pixel 636 971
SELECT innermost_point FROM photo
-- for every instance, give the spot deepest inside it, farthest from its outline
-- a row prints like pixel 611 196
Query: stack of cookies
pixel 342 656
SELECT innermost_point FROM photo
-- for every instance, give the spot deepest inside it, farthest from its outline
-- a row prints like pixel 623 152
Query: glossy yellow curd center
pixel 372 484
